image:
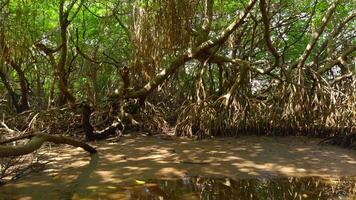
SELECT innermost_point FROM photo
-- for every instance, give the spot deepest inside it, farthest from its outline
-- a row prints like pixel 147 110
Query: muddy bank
pixel 132 158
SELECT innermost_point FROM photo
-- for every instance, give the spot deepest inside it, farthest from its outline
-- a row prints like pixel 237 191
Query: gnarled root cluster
pixel 288 111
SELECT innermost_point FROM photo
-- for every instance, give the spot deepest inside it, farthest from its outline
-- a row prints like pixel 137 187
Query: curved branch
pixel 267 34
pixel 334 34
pixel 340 60
pixel 34 144
pixel 316 34
pixel 37 141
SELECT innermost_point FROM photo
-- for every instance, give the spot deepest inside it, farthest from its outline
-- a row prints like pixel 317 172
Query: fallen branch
pixel 21 137
pixel 37 141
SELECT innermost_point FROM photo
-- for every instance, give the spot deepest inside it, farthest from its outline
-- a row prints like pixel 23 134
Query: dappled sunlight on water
pixel 151 168
pixel 224 188
pixel 206 188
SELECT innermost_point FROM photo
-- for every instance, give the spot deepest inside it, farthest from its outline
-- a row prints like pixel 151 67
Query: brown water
pixel 225 188
pixel 212 188
pixel 153 168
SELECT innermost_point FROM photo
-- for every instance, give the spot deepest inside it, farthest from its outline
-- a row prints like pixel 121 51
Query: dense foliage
pixel 212 67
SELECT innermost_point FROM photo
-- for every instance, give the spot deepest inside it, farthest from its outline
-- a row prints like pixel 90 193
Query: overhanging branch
pixel 37 141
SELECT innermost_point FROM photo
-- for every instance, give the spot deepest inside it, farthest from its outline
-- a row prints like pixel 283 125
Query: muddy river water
pixel 139 167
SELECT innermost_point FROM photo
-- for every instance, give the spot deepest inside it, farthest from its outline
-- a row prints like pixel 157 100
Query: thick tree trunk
pixel 267 34
pixel 65 95
pixel 90 133
pixel 23 102
pixel 6 58
pixel 34 144
pixel 10 90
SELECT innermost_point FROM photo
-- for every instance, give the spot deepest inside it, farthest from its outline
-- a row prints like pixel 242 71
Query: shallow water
pixel 139 168
pixel 225 188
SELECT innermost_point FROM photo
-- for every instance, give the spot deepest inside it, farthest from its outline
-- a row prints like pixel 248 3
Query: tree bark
pixel 23 102
pixel 10 90
pixel 22 105
pixel 65 95
pixel 315 36
pixel 37 141
pixel 90 133
pixel 267 34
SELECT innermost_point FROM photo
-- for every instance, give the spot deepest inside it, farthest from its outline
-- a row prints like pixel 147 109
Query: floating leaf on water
pixel 111 187
pixel 227 183
pixel 93 187
pixel 140 182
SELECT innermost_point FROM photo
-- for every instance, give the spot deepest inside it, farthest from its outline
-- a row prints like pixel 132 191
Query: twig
pixel 31 123
pixel 7 128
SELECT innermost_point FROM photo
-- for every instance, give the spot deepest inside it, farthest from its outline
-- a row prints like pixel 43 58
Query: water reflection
pixel 224 188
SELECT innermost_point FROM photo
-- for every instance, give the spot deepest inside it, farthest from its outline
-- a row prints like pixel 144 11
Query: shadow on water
pixel 81 180
pixel 225 188
pixel 136 168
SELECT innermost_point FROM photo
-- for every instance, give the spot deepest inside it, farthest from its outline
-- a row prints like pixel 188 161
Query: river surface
pixel 138 167
pixel 191 188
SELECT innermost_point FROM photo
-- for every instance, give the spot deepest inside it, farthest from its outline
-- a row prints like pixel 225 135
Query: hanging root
pixel 152 119
pixel 291 111
pixel 199 120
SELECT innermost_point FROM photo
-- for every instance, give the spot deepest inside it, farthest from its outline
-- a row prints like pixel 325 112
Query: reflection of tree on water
pixel 224 188
pixel 82 179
